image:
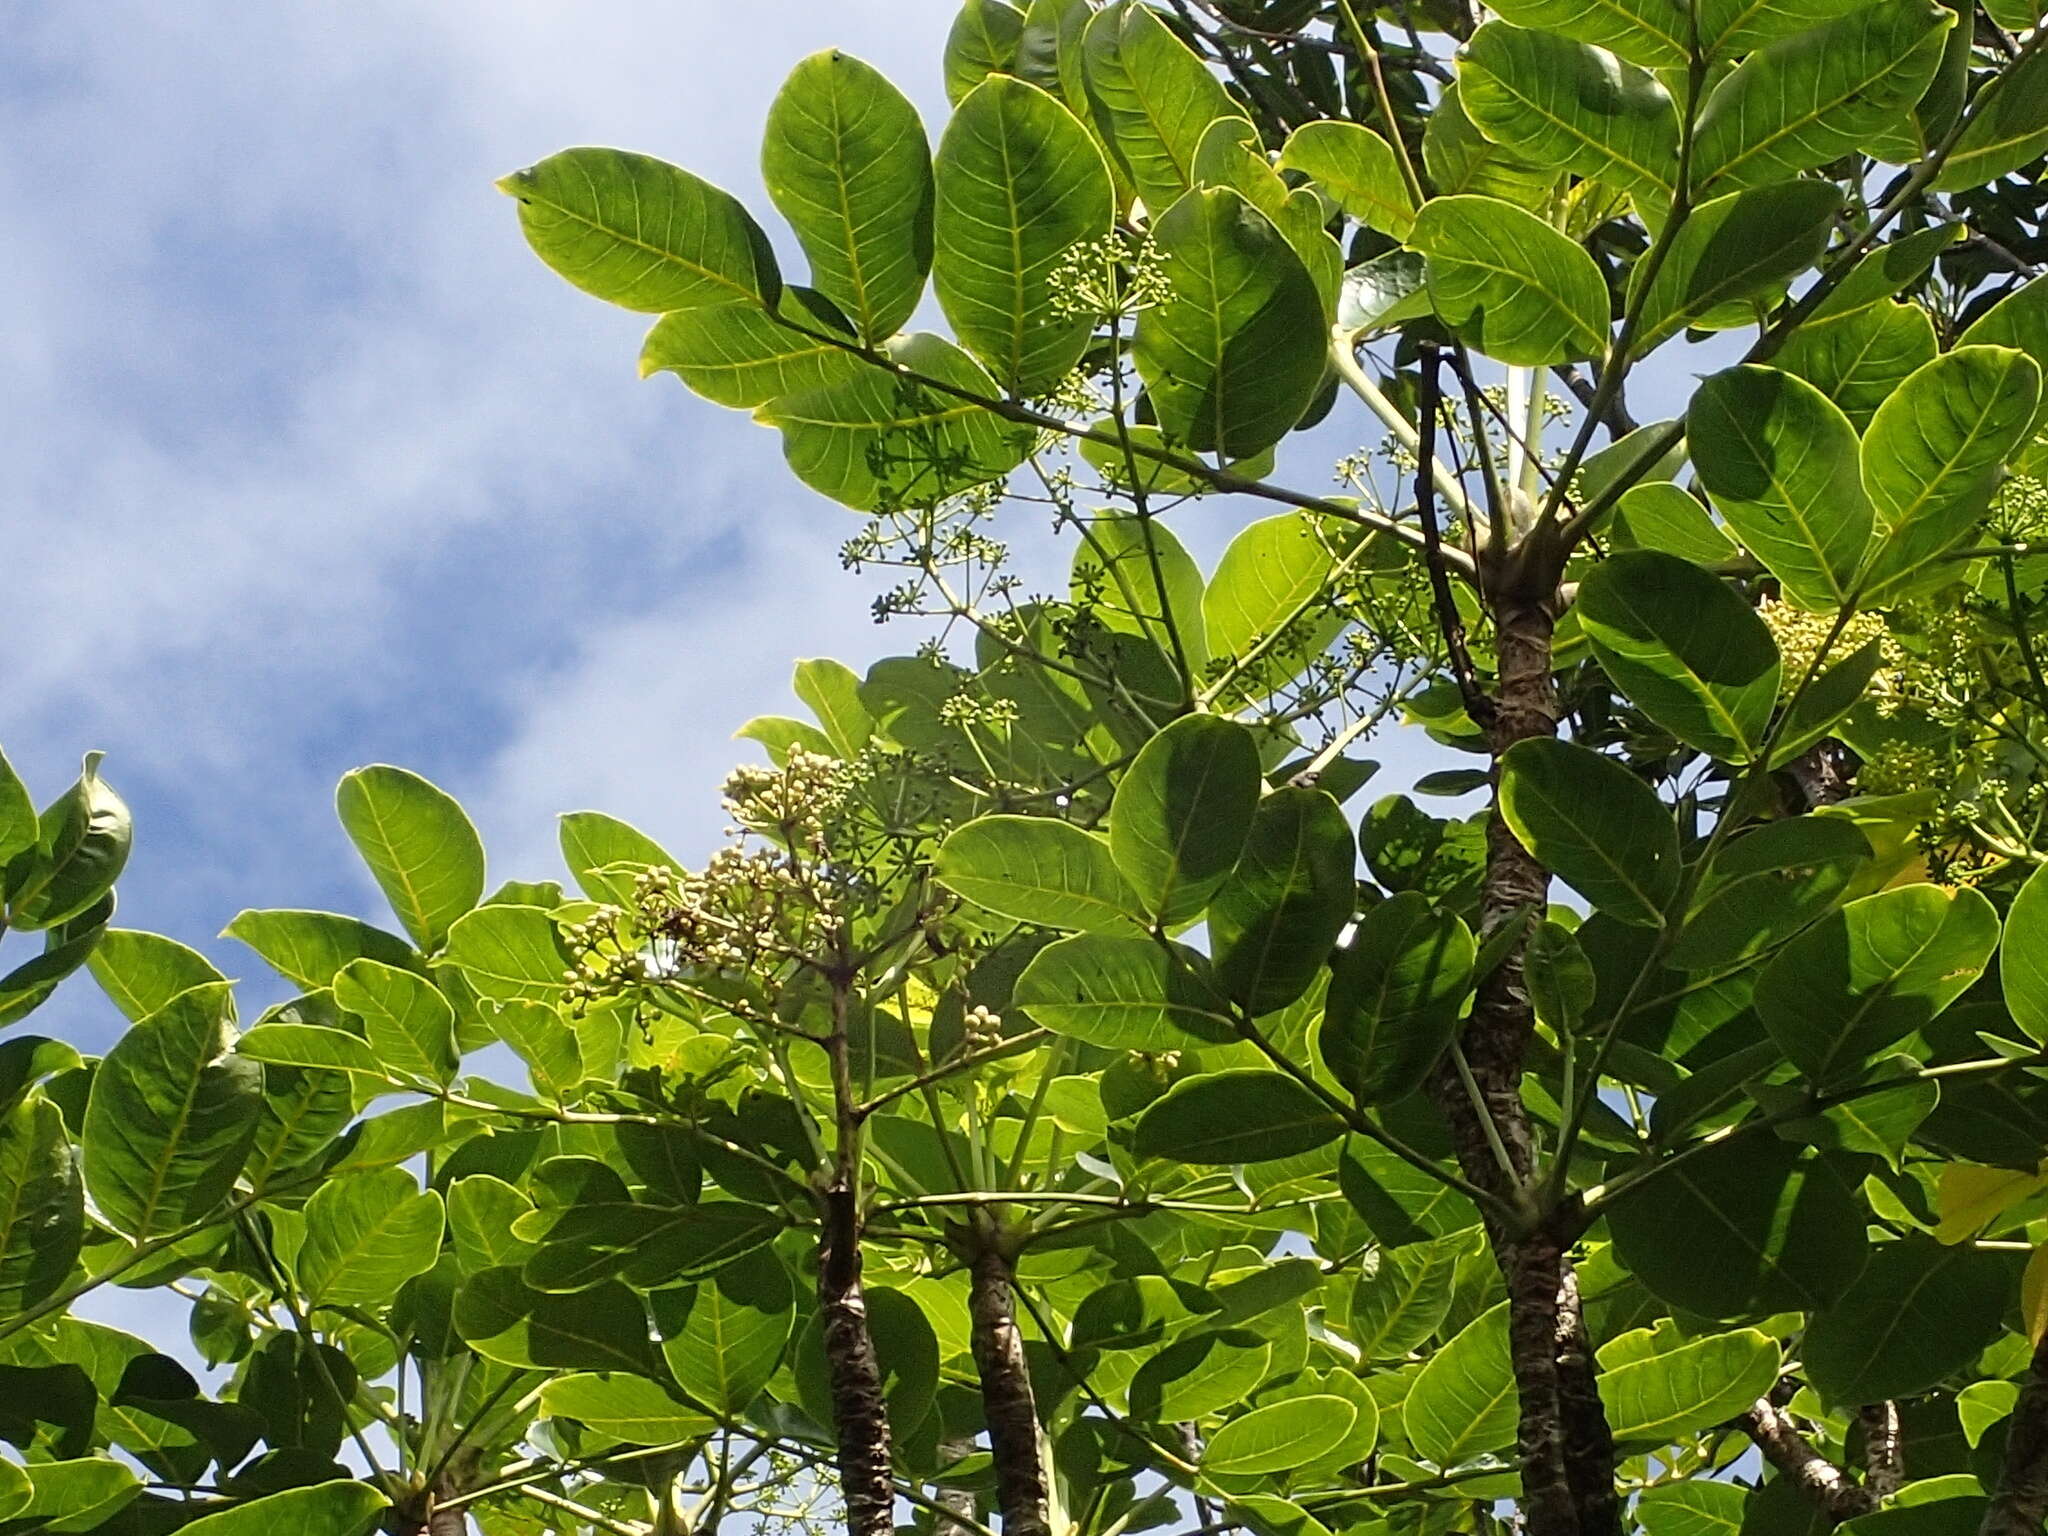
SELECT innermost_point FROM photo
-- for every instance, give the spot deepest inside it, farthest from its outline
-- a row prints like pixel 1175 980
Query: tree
pixel 1037 1069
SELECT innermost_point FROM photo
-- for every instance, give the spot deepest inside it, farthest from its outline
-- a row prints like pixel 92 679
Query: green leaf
pixel 1152 99
pixel 1357 168
pixel 77 1495
pixel 15 1490
pixel 1273 922
pixel 1765 886
pixel 1731 27
pixel 408 1023
pixel 1920 1311
pixel 141 972
pixel 1873 973
pixel 1509 284
pixel 648 1246
pixel 1199 1375
pixel 426 855
pixel 1020 183
pixel 1884 271
pixel 1398 1305
pixel 1246 1115
pixel 2019 320
pixel 2010 132
pixel 1594 824
pixel 366 1235
pixel 1786 1230
pixel 628 1408
pixel 1692 1508
pixel 643 234
pixel 1270 574
pixel 1652 33
pixel 845 161
pixel 1290 1433
pixel 2023 958
pixel 1182 812
pixel 1832 694
pixel 601 1329
pixel 344 1507
pixel 1462 1402
pixel 1395 995
pixel 1459 159
pixel 42 1207
pixel 1125 994
pixel 831 691
pixel 307 948
pixel 18 827
pixel 1688 652
pixel 724 1336
pixel 740 354
pixel 510 953
pixel 1552 101
pixel 546 1044
pixel 82 843
pixel 876 438
pixel 1038 870
pixel 982 42
pixel 481 1211
pixel 1744 246
pixel 1235 353
pixel 1933 455
pixel 1858 360
pixel 594 845
pixel 1663 516
pixel 1806 99
pixel 172 1115
pixel 1781 462
pixel 1136 577
pixel 313 1046
pixel 1660 1385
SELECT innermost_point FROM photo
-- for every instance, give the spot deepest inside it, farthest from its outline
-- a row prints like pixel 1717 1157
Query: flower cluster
pixel 1098 279
pixel 1801 633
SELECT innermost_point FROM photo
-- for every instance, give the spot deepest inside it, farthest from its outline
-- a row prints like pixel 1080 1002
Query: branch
pixel 1838 1495
pixel 1477 704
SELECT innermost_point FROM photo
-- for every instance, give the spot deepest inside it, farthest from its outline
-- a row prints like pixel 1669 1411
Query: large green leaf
pixel 1660 1385
pixel 406 1020
pixel 77 1495
pixel 600 1329
pixel 740 354
pixel 141 972
pixel 1402 1299
pixel 82 843
pixel 1665 516
pixel 1785 1229
pixel 2019 320
pixel 845 161
pixel 1933 455
pixel 2010 132
pixel 1509 284
pixel 1290 1433
pixel 1272 572
pixel 547 1045
pixel 724 1336
pixel 1126 994
pixel 1039 870
pixel 510 952
pixel 1688 652
pixel 1152 99
pixel 641 233
pixel 1694 1507
pixel 1272 923
pixel 1182 812
pixel 366 1235
pixel 1593 823
pixel 1135 576
pixel 1728 28
pixel 307 948
pixel 481 1211
pixel 317 1047
pixel 982 42
pixel 2023 957
pixel 1733 250
pixel 1246 1115
pixel 1806 99
pixel 1874 972
pixel 1648 32
pixel 1462 1402
pixel 628 1408
pixel 1234 354
pixel 42 1207
pixel 1765 886
pixel 1199 1375
pixel 1460 159
pixel 344 1507
pixel 1020 183
pixel 1859 359
pixel 17 819
pixel 1919 1311
pixel 879 439
pixel 172 1115
pixel 1552 101
pixel 1359 171
pixel 1395 995
pixel 1781 463
pixel 595 846
pixel 426 855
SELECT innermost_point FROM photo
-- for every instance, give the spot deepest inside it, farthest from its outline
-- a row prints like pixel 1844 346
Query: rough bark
pixel 955 1502
pixel 2021 1503
pixel 1833 1491
pixel 1006 1398
pixel 859 1413
pixel 1566 1448
pixel 448 1522
pixel 1884 1467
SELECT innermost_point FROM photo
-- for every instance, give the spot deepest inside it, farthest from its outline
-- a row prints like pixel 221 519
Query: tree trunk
pixel 1884 1467
pixel 1566 1448
pixel 1006 1393
pixel 958 1503
pixel 2021 1502
pixel 448 1522
pixel 860 1415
